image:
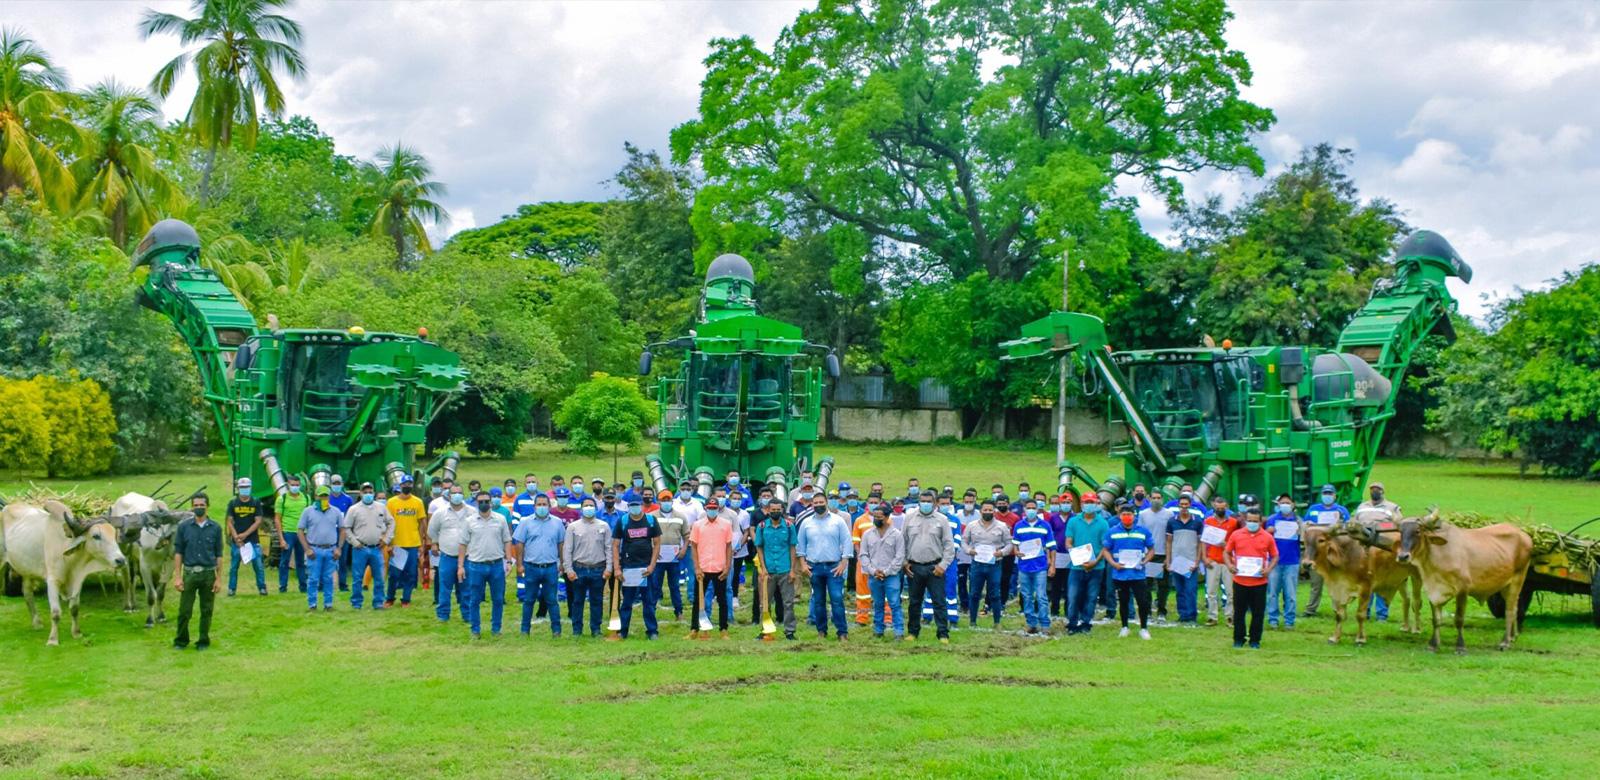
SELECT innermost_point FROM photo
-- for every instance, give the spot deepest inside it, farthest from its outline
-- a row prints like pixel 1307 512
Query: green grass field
pixel 391 694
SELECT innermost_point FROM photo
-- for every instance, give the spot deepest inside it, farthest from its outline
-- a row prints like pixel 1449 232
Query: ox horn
pixel 1431 520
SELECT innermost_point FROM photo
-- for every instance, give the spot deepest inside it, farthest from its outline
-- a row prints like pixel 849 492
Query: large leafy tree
pixel 293 184
pixel 892 117
pixel 33 121
pixel 1291 264
pixel 118 174
pixel 405 197
pixel 647 243
pixel 605 410
pixel 564 233
pixel 244 46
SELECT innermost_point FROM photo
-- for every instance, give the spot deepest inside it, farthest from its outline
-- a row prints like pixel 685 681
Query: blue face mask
pixel 926 507
pixel 1031 513
pixel 1286 509
pixel 337 489
pixel 833 503
pixel 1327 499
pixel 1090 510
pixel 733 480
pixel 854 504
pixel 913 491
pixel 1055 507
pixel 245 494
pixel 294 489
pixel 541 511
pixel 457 499
pixel 367 498
pixel 1252 526
pixel 638 483
pixel 437 490
pixel 587 511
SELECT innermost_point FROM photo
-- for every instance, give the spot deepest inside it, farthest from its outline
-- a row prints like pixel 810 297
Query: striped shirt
pixel 1035 535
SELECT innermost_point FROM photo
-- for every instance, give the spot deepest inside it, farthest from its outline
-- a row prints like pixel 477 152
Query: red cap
pixel 1064 498
pixel 1091 497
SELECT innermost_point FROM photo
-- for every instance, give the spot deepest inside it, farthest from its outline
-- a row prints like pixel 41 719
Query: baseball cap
pixel 366 485
pixel 1091 497
pixel 1248 499
pixel 322 490
pixel 1064 498
pixel 337 480
pixel 495 491
pixel 844 487
pixel 1378 485
pixel 713 503
pixel 1329 489
pixel 664 495
pixel 243 482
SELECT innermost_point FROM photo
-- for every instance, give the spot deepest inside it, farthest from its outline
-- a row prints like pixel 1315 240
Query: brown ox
pixel 1351 569
pixel 1459 562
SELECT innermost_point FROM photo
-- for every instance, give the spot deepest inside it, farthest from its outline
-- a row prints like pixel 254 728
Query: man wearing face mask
pixel 1035 545
pixel 341 500
pixel 244 520
pixel 319 535
pixel 774 540
pixel 1058 513
pixel 1085 532
pixel 1284 525
pixel 635 491
pixel 585 555
pixel 439 490
pixel 286 522
pixel 1219 576
pixel 196 547
pixel 824 547
pixel 448 530
pixel 1327 513
pixel 711 544
pixel 1155 518
pixel 537 550
pixel 859 523
pixel 966 514
pixel 952 599
pixel 1008 565
pixel 802 503
pixel 366 529
pixel 674 551
pixel 930 550
pixel 1251 555
pixel 1183 556
pixel 1126 549
pixel 1377 509
pixel 410 518
pixel 480 562
pixel 635 546
pixel 987 541
pixel 882 561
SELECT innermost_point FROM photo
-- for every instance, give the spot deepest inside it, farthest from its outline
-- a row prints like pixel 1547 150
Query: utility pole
pixel 1061 396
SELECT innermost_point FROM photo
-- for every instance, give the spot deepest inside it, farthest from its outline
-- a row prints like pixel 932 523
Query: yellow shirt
pixel 407 512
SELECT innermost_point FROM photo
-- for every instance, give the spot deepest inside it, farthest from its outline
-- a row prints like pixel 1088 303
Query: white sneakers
pixel 1124 633
pixel 1144 633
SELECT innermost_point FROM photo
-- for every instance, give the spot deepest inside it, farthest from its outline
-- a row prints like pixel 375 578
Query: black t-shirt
pixel 243 514
pixel 636 536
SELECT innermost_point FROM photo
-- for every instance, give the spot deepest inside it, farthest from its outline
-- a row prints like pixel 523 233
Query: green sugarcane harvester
pixel 308 402
pixel 1263 420
pixel 747 395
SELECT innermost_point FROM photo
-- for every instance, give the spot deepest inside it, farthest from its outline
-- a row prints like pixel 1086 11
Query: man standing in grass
pixel 366 529
pixel 775 541
pixel 1086 533
pixel 196 547
pixel 409 515
pixel 1219 576
pixel 1155 519
pixel 244 517
pixel 537 543
pixel 586 557
pixel 1251 554
pixel 319 534
pixel 1284 525
pixel 481 561
pixel 824 546
pixel 882 561
pixel 988 541
pixel 286 521
pixel 1035 543
pixel 930 551
pixel 635 546
pixel 1327 514
pixel 711 542
pixel 1377 509
pixel 1127 548
pixel 1183 560
pixel 448 530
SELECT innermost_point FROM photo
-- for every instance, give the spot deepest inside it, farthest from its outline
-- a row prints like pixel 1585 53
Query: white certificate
pixel 1214 535
pixel 1082 554
pixel 1327 518
pixel 983 553
pixel 1250 566
pixel 1182 565
pixel 669 553
pixel 1153 569
pixel 1127 558
pixel 1031 548
pixel 399 558
pixel 1063 560
pixel 1285 529
pixel 632 578
pixel 247 552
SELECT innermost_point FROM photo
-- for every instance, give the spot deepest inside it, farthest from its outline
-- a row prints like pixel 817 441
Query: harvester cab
pixel 1263 420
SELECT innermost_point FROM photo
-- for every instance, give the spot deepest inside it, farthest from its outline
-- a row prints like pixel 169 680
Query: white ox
pixel 155 525
pixel 50 544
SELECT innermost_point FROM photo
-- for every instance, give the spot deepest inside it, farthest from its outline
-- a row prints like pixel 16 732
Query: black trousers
pixel 1057 587
pixel 719 591
pixel 962 569
pixel 1137 591
pixel 924 581
pixel 1252 600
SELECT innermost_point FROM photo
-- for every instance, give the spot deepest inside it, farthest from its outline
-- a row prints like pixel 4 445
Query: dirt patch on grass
pixel 18 754
pixel 818 674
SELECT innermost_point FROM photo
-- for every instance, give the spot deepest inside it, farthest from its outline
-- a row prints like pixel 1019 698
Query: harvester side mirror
pixel 832 363
pixel 644 363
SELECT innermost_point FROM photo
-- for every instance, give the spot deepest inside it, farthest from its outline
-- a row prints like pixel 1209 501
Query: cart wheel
pixel 1497 605
pixel 1594 594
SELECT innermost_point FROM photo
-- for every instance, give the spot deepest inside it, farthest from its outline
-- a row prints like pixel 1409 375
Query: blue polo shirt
pixel 1327 514
pixel 522 505
pixel 776 545
pixel 1082 531
pixel 540 539
pixel 341 501
pixel 1288 549
pixel 1030 531
pixel 1119 539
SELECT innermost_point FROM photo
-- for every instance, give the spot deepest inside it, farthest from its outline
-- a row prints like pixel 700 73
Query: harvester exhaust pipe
pixel 658 473
pixel 1208 485
pixel 1172 488
pixel 778 482
pixel 824 471
pixel 280 483
pixel 1111 489
pixel 452 459
pixel 1063 479
pixel 704 477
pixel 395 471
pixel 321 477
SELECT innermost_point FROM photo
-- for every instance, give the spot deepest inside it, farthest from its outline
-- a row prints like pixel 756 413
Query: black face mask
pixel 877 521
pixel 988 515
pixel 199 512
pixel 483 506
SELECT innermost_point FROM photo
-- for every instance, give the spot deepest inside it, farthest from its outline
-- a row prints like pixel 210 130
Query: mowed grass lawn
pixel 394 694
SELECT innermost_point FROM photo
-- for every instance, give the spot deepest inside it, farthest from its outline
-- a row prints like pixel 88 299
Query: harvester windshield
pixel 721 380
pixel 1206 399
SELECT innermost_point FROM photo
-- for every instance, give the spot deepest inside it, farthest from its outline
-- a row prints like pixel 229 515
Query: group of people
pixel 1062 557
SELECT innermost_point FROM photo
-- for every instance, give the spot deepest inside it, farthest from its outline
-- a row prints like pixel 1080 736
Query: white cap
pixel 243 482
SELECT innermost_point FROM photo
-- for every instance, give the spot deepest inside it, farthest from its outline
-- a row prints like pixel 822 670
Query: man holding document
pixel 1127 548
pixel 244 520
pixel 635 549
pixel 1086 533
pixel 1183 560
pixel 1035 544
pixel 1284 526
pixel 1251 553
pixel 988 541
pixel 1218 526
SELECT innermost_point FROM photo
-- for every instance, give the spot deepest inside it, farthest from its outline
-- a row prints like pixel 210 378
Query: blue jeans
pixel 1377 603
pixel 827 587
pixel 983 582
pixel 1083 592
pixel 444 581
pixel 667 575
pixel 1035 598
pixel 1281 583
pixel 591 587
pixel 1187 588
pixel 492 574
pixel 292 551
pixel 346 560
pixel 255 563
pixel 405 579
pixel 887 589
pixel 630 596
pixel 319 577
pixel 538 586
pixel 363 559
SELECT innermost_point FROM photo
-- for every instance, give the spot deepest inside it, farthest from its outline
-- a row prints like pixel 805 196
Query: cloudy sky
pixel 1478 118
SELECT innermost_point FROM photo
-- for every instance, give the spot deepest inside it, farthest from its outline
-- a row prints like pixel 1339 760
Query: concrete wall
pixel 871 424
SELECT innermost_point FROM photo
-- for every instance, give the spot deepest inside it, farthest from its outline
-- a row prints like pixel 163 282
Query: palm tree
pixel 32 114
pixel 245 48
pixel 291 266
pixel 405 199
pixel 118 177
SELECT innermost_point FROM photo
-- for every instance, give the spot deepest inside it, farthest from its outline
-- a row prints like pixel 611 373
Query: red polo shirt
pixel 1245 544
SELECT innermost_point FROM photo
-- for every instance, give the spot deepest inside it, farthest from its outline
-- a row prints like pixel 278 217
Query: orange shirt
pixel 1244 544
pixel 711 538
pixel 1214 551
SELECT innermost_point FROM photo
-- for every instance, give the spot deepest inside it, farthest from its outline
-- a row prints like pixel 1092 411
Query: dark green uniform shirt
pixel 199 545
